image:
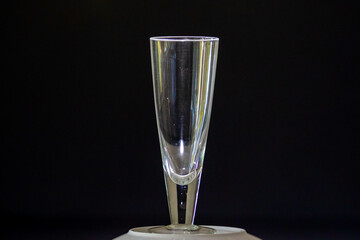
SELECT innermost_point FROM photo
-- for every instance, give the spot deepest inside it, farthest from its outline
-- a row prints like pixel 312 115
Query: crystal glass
pixel 183 70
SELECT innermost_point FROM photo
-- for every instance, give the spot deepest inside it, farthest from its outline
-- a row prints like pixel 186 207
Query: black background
pixel 80 157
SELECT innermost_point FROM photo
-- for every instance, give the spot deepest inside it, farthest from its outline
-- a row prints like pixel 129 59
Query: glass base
pixel 222 233
pixel 182 229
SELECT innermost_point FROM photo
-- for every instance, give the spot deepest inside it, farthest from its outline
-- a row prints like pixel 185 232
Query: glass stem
pixel 182 201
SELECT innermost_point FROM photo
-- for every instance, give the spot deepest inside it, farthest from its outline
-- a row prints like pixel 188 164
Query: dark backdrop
pixel 79 142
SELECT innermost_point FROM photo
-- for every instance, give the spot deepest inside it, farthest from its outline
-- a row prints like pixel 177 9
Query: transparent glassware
pixel 183 69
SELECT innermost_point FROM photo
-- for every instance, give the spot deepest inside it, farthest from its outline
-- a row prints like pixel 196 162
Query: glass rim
pixel 184 38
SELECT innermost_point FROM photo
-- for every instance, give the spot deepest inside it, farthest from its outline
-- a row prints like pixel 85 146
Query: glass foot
pixel 182 229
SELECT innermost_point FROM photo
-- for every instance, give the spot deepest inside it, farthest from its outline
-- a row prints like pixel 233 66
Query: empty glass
pixel 183 71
